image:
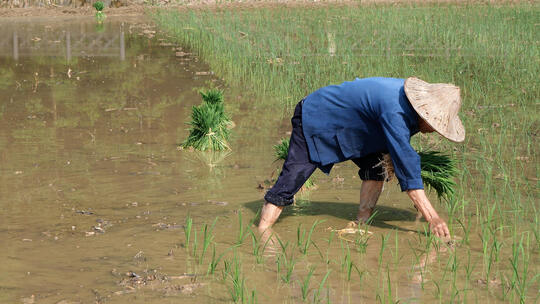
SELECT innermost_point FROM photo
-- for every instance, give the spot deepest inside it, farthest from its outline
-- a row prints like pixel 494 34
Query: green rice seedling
pixel 285 261
pixel 454 266
pixel 519 281
pixel 207 239
pixel 466 230
pixel 331 237
pixel 281 150
pixel 233 272
pixel 255 218
pixel 304 285
pixel 300 235
pixel 187 230
pixel 283 245
pixel 361 242
pixel 288 263
pixel 241 232
pixel 99 6
pixel 384 240
pixel 303 245
pixel 417 267
pixel 214 260
pixel 386 297
pixel 469 268
pixel 487 233
pixel 389 285
pixel 318 249
pixel 257 248
pixel 317 293
pixel 253 297
pixel 438 292
pixel 348 264
pixel 195 243
pixel 361 239
pixel 493 257
pixel 396 254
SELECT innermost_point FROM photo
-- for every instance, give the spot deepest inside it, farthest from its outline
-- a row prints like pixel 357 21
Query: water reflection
pixel 27 40
pixel 89 124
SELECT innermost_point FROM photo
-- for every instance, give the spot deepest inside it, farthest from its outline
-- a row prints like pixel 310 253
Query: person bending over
pixel 361 120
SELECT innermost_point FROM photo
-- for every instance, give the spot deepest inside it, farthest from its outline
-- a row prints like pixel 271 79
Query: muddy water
pixel 94 191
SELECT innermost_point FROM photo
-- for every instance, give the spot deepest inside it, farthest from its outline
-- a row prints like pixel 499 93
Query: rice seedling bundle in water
pixel 209 126
pixel 99 6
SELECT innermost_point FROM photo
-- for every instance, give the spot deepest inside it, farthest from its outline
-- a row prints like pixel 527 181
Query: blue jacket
pixel 360 117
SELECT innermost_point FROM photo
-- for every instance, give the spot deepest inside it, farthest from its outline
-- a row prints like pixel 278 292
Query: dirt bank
pixel 133 8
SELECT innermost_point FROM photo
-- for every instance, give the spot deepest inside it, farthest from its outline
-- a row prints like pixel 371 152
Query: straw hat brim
pixel 438 104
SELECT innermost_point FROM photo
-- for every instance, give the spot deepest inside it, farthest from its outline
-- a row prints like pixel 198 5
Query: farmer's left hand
pixel 438 227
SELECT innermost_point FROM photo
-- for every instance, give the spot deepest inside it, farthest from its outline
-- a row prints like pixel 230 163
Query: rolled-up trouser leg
pixel 370 167
pixel 297 168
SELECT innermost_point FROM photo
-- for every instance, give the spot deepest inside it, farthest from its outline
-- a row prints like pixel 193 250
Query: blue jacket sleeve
pixel 405 159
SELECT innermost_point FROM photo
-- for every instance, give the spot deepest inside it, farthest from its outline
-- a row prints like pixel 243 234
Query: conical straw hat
pixel 438 104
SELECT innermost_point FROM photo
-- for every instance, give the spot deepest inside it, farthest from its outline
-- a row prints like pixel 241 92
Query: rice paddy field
pixel 275 55
pixel 105 199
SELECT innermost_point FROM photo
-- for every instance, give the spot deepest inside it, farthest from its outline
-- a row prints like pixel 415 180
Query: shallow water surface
pixel 95 192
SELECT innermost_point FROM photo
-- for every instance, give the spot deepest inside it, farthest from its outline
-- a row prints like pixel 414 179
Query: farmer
pixel 361 120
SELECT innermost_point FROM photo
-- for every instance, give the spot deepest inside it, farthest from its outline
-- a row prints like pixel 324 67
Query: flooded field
pixel 100 206
pixel 90 122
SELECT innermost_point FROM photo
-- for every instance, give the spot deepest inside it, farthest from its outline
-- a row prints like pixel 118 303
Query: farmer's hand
pixel 438 227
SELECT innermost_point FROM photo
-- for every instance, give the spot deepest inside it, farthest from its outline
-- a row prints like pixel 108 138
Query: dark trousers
pixel 298 167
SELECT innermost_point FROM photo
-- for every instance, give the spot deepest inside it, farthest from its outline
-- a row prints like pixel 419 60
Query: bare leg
pixel 369 194
pixel 269 215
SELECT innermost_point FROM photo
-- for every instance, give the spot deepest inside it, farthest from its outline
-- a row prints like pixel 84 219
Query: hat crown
pixel 438 104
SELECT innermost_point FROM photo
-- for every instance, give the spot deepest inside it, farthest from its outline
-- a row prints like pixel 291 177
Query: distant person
pixel 360 120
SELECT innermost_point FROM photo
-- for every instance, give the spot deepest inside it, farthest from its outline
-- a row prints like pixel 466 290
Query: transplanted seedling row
pixel 310 267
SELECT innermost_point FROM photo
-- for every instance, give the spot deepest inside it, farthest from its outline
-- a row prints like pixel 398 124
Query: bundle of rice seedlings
pixel 99 6
pixel 212 96
pixel 209 124
pixel 437 171
pixel 281 151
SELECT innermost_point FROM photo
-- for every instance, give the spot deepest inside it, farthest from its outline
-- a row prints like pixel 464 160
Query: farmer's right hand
pixel 438 227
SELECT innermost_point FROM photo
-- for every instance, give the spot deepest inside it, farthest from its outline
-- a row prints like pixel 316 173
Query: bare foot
pixel 269 242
